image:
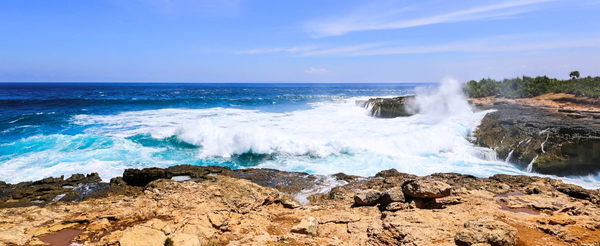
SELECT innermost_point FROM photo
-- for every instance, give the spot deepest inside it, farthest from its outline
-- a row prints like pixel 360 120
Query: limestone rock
pixel 182 239
pixel 141 235
pixel 367 197
pixel 98 225
pixel 426 189
pixel 288 201
pixel 394 206
pixel 392 195
pixel 308 226
pixel 486 230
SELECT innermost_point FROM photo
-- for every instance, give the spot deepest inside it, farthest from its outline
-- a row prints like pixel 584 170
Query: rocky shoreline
pixel 194 205
pixel 219 206
pixel 555 134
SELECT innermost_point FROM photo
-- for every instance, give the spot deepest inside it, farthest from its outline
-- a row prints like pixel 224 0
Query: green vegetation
pixel 574 75
pixel 169 242
pixel 531 87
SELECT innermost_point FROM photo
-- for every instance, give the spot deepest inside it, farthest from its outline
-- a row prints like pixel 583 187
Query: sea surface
pixel 54 129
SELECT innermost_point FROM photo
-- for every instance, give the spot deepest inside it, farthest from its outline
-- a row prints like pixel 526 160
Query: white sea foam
pixel 329 137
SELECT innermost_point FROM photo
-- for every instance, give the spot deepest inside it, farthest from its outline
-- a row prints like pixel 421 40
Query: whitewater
pixel 291 128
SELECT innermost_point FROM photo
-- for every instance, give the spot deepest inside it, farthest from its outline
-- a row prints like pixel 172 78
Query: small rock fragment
pixel 288 201
pixel 394 206
pixel 308 226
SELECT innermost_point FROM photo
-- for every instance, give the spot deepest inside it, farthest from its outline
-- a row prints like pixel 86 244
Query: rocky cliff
pixel 218 206
pixel 388 107
pixel 551 134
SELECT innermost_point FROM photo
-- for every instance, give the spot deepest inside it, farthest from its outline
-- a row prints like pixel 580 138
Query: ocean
pixel 54 129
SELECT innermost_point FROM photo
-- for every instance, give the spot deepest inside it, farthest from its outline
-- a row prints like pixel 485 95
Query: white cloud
pixel 392 18
pixel 316 70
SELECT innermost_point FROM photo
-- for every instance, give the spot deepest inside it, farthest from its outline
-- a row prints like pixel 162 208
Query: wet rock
pixel 426 189
pixel 486 230
pixel 199 172
pixel 345 177
pixel 288 182
pixel 367 197
pixel 136 177
pixel 141 235
pixel 389 107
pixel 394 173
pixel 308 226
pixel 550 140
pixel 578 192
pixel 392 195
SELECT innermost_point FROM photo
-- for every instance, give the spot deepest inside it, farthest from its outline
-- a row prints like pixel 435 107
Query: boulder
pixel 136 177
pixel 392 195
pixel 288 201
pixel 308 226
pixel 426 189
pixel 141 235
pixel 388 107
pixel 486 230
pixel 367 197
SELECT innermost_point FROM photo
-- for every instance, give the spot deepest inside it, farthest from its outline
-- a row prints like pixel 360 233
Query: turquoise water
pixel 53 129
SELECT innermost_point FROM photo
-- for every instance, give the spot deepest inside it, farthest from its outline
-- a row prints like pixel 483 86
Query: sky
pixel 332 41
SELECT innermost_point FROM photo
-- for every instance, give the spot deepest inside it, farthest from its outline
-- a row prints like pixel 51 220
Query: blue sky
pixel 296 41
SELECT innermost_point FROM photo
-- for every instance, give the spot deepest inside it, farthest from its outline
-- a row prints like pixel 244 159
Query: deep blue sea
pixel 54 129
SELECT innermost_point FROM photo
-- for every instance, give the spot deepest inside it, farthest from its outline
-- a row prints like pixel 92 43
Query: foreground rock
pixel 215 207
pixel 486 230
pixel 389 107
pixel 426 189
pixel 308 226
pixel 548 134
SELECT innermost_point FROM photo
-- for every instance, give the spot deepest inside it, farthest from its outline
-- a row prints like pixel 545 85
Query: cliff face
pixel 544 135
pixel 215 208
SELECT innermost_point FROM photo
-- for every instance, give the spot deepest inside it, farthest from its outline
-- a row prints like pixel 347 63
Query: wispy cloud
pixel 274 50
pixel 480 46
pixel 316 70
pixel 393 18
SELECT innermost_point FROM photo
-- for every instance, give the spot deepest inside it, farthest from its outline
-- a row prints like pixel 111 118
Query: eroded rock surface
pixel 544 134
pixel 426 189
pixel 216 207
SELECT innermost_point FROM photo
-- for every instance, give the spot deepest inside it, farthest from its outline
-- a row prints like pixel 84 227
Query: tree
pixel 574 74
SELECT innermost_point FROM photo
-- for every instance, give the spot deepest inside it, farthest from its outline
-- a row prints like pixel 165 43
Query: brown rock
pixel 367 197
pixel 182 239
pixel 426 189
pixel 486 230
pixel 308 226
pixel 141 235
pixel 394 206
pixel 392 195
pixel 288 201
